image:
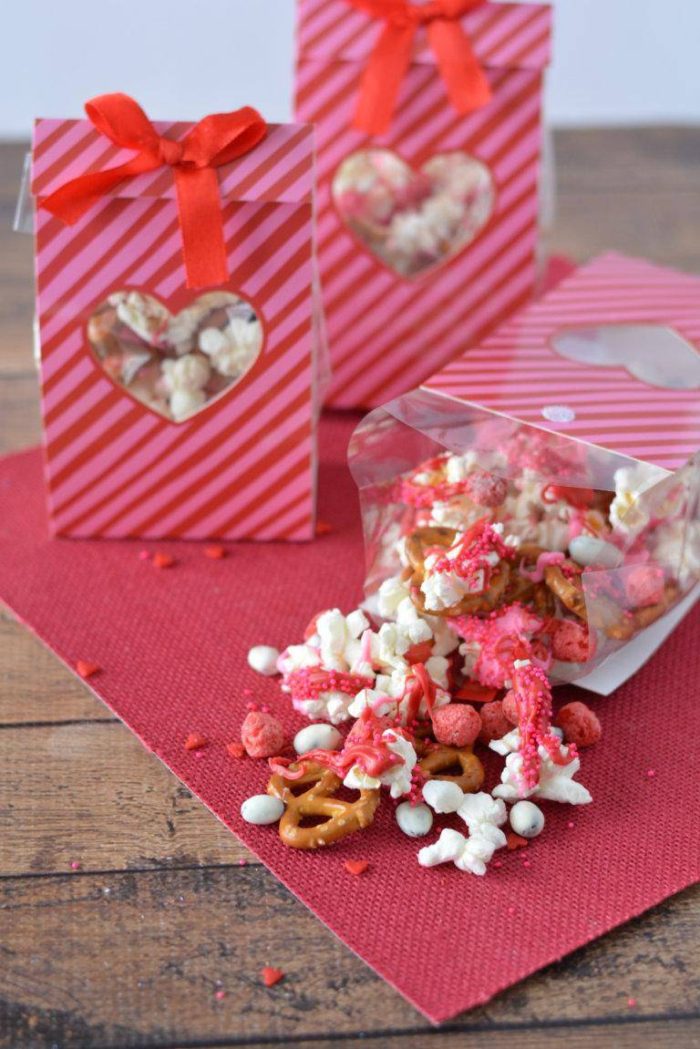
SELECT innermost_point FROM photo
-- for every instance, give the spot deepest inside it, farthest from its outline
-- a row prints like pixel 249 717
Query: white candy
pixel 263 658
pixel 414 820
pixel 588 550
pixel 262 809
pixel 527 819
pixel 442 796
pixel 315 737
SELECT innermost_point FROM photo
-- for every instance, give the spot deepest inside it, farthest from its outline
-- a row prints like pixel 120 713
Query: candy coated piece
pixel 263 658
pixel 579 724
pixel 526 819
pixel 262 809
pixel 317 737
pixel 262 735
pixel 414 820
pixel 456 725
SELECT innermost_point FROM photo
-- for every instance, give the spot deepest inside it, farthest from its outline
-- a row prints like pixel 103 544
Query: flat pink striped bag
pixel 178 400
pixel 574 431
pixel 429 135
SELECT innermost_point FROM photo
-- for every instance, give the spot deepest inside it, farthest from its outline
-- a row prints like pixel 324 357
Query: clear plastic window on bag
pixel 589 546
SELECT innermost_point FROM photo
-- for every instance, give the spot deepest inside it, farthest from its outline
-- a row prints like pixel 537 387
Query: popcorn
pixel 628 515
pixel 397 778
pixel 175 363
pixel 555 783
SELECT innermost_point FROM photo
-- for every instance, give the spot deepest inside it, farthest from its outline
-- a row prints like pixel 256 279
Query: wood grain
pixel 128 951
pixel 90 793
pixel 136 959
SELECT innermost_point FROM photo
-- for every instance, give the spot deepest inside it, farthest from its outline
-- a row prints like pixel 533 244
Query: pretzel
pixel 427 538
pixel 341 817
pixel 441 758
pixel 625 626
pixel 568 590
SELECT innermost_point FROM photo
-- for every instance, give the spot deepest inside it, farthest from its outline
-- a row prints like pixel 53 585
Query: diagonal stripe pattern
pixel 516 370
pixel 387 333
pixel 243 468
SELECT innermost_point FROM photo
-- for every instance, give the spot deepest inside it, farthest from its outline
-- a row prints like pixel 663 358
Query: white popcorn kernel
pixel 414 820
pixel 185 402
pixel 317 737
pixel 263 658
pixel 527 819
pixel 442 796
pixel 357 622
pixel 262 809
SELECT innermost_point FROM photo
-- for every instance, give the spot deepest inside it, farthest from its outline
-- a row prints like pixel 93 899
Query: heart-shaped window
pixel 413 220
pixel 175 363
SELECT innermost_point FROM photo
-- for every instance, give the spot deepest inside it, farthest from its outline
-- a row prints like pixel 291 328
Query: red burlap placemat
pixel 173 646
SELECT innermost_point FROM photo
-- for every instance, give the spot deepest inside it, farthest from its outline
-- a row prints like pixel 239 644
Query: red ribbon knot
pixel 216 140
pixel 465 81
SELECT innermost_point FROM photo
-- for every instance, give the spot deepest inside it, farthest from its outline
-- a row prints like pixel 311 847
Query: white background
pixel 616 61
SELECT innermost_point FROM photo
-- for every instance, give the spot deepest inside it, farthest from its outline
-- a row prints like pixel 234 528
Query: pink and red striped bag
pixel 171 412
pixel 427 232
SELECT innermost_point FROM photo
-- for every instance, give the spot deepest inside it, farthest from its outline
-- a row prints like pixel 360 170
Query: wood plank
pixel 35 687
pixel 634 1034
pixel 91 793
pixel 604 160
pixel 135 960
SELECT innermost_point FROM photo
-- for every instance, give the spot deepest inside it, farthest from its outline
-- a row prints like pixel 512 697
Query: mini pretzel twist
pixel 442 758
pixel 568 590
pixel 420 542
pixel 624 627
pixel 341 817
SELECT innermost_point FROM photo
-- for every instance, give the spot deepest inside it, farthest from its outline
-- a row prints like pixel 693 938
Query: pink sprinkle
pixel 526 863
pixel 265 709
pixel 498 863
pixel 570 824
pixel 75 865
pixel 243 863
pixel 247 692
pixel 144 555
pixel 631 1002
pixel 511 910
pixel 219 994
pixel 651 773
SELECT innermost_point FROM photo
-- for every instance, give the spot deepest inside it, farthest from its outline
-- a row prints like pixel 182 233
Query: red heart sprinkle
pixel 271 976
pixel 215 552
pixel 195 742
pixel 163 560
pixel 515 841
pixel 235 749
pixel 323 528
pixel 356 867
pixel 86 669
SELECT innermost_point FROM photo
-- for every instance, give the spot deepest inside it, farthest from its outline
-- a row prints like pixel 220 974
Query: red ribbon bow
pixel 465 80
pixel 217 139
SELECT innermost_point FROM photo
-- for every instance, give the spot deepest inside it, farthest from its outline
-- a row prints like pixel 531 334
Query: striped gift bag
pixel 169 411
pixel 427 228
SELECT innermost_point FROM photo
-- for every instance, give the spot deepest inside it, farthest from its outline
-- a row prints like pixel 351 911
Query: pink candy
pixel 456 725
pixel 494 723
pixel 579 724
pixel 487 489
pixel 572 642
pixel 262 735
pixel 644 585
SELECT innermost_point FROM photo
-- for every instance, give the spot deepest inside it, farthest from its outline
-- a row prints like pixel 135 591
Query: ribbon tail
pixel 202 227
pixel 466 82
pixel 70 201
pixel 382 78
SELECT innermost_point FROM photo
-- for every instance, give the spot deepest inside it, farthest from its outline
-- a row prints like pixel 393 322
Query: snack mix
pixel 175 363
pixel 413 221
pixel 454 655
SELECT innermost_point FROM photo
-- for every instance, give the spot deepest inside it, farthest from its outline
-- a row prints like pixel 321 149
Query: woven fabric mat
pixel 172 644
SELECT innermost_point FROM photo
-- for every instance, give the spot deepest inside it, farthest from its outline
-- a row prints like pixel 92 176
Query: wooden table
pixel 167 907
